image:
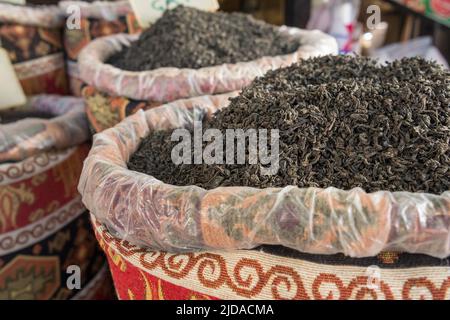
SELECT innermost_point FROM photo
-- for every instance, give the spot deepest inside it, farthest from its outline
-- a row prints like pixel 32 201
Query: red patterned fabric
pixel 44 229
pixel 133 284
pixel 36 52
pixel 144 275
pixel 92 27
pixel 26 198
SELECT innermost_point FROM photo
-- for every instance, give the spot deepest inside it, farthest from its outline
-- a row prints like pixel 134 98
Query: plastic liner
pixel 169 84
pixel 27 137
pixel 147 212
pixel 41 16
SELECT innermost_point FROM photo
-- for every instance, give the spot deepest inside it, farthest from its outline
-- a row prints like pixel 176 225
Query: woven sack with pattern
pixel 32 36
pixel 44 227
pixel 273 273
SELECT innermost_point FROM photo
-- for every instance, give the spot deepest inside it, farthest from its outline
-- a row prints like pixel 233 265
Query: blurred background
pixel 417 26
pixel 402 21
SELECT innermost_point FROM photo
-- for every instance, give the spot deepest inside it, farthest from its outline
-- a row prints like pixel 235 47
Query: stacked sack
pixel 32 36
pixel 97 19
pixel 44 227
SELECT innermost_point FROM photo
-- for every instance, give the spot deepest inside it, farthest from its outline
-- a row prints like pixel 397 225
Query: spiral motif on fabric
pixel 150 260
pixel 247 278
pixel 328 287
pixel 13 172
pixel 262 279
pixel 212 270
pixel 286 284
pixel 421 289
pixel 178 266
pixel 361 288
pixel 29 166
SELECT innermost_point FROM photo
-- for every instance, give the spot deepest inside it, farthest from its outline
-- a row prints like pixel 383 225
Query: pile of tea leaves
pixel 190 38
pixel 11 116
pixel 344 122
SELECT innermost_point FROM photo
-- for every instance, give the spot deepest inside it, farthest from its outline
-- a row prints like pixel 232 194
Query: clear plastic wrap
pixel 147 212
pixel 169 84
pixel 41 16
pixel 27 137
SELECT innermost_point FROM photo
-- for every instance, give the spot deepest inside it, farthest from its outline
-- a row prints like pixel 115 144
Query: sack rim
pixel 68 128
pixel 208 80
pixel 395 221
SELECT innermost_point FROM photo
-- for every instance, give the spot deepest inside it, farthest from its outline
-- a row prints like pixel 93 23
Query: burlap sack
pixel 149 213
pixel 32 36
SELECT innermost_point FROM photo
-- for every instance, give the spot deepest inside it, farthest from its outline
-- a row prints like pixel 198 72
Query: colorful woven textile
pixel 44 227
pixel 105 111
pixel 32 36
pixel 273 273
pixel 42 233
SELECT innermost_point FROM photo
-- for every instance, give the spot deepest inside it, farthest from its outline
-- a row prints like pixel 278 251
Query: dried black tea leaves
pixel 11 116
pixel 344 122
pixel 190 38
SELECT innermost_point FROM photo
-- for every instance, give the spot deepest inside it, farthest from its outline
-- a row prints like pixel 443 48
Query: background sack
pixel 114 94
pixel 98 19
pixel 44 227
pixel 32 36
